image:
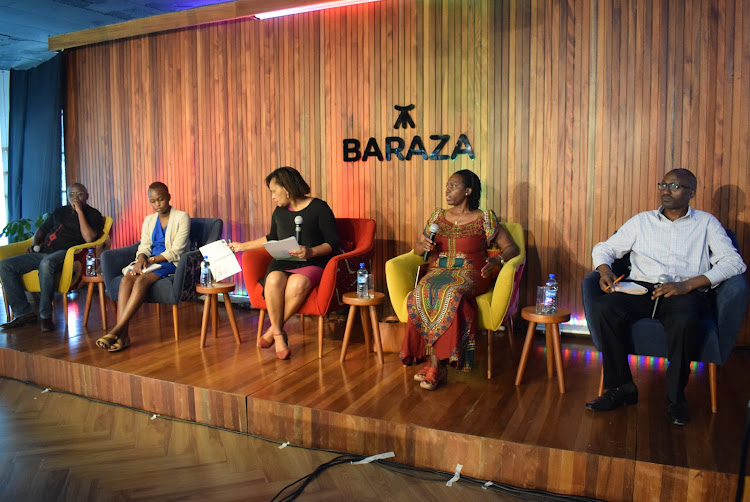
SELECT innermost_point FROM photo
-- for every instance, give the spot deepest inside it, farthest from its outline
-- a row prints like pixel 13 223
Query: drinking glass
pixel 540 293
pixel 371 285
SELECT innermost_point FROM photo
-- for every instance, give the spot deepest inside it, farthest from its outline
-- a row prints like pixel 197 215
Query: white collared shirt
pixel 693 245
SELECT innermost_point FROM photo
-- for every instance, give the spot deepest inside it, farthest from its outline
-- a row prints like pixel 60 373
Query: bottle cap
pixel 361 265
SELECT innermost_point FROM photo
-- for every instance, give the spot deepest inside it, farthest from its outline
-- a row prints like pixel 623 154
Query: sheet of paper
pixel 221 259
pixel 151 268
pixel 630 288
pixel 280 249
pixel 145 270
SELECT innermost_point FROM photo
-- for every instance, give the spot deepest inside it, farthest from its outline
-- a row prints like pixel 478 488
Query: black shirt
pixel 63 230
pixel 318 227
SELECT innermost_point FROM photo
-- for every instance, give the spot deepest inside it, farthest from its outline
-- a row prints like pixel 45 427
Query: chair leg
pixel 489 354
pixel 65 308
pixel 508 323
pixel 261 319
pixel 176 324
pixel 302 323
pixel 712 384
pixel 601 382
pixel 320 337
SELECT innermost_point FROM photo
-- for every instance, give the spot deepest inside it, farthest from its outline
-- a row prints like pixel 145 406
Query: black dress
pixel 318 227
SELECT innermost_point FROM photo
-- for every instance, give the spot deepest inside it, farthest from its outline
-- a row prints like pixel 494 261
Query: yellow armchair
pixel 31 279
pixel 495 307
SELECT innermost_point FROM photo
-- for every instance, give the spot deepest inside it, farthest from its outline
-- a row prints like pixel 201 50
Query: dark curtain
pixel 34 140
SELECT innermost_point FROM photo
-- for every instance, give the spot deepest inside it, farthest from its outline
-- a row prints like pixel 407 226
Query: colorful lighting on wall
pixel 310 8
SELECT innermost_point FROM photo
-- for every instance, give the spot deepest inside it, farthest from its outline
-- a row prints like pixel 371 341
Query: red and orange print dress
pixel 442 308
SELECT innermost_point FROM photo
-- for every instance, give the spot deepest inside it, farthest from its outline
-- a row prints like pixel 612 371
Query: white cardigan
pixel 177 239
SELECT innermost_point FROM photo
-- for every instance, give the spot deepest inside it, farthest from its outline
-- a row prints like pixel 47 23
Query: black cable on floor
pixel 306 480
pixel 343 458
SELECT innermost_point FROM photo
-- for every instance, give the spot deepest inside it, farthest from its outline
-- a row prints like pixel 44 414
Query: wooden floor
pixel 61 447
pixel 529 436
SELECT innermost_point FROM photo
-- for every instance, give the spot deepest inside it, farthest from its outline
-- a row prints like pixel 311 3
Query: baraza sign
pixel 393 146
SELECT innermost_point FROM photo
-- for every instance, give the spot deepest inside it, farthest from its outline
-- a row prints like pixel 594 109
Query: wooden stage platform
pixel 528 436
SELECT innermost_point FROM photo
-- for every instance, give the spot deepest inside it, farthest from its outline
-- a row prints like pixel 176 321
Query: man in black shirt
pixel 67 226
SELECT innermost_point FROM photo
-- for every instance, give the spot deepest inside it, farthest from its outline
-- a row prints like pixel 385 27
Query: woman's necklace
pixel 458 218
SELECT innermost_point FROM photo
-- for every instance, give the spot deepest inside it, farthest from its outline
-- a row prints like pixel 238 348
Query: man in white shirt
pixel 692 250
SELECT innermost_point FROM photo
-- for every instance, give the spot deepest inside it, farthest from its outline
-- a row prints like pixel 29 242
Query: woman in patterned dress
pixel 442 308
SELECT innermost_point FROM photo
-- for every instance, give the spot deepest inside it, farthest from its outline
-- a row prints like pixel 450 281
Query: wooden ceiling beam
pixel 171 21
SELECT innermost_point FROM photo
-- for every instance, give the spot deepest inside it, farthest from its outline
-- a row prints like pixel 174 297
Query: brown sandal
pixel 107 341
pixel 434 378
pixel 421 374
pixel 120 345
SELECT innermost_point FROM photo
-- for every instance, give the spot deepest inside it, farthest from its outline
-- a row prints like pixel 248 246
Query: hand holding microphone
pixel 297 227
pixel 434 228
pixel 662 280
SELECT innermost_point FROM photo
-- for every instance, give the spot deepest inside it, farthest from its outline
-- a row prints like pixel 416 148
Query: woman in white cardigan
pixel 165 236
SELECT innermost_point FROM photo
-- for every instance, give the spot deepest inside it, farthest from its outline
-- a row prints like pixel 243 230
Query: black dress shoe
pixel 20 320
pixel 614 398
pixel 678 413
pixel 47 324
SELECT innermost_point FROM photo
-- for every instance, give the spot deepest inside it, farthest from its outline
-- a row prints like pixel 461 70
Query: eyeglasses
pixel 77 194
pixel 673 187
pixel 454 186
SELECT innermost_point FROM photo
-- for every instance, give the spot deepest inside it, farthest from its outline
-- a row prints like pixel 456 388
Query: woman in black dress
pixel 288 282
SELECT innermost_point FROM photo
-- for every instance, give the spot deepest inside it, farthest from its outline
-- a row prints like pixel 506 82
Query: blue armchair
pixel 721 326
pixel 173 289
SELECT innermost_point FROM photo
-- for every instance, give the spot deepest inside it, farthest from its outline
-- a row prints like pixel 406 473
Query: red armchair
pixel 357 239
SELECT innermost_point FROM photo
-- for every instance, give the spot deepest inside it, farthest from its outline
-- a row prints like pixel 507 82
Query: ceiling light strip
pixel 310 8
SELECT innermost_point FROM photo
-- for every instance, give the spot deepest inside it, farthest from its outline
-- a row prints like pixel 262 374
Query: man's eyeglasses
pixel 673 187
pixel 77 194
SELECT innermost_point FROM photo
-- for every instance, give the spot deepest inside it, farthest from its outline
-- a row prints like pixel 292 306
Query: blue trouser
pixel 11 273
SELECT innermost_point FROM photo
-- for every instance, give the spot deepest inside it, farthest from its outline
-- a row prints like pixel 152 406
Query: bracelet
pixel 502 262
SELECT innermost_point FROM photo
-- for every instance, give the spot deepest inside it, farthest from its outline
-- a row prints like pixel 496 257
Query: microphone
pixel 662 279
pixel 434 228
pixel 297 227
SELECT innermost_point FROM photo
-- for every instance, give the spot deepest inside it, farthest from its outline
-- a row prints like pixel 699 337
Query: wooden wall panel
pixel 575 109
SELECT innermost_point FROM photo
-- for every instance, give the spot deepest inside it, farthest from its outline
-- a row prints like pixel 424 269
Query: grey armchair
pixel 173 289
pixel 721 326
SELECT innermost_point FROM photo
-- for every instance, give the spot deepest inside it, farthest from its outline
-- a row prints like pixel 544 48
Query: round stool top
pixel 215 288
pixel 529 313
pixel 92 278
pixel 352 299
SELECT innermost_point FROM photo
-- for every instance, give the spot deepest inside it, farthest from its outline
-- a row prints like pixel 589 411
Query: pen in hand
pixel 616 281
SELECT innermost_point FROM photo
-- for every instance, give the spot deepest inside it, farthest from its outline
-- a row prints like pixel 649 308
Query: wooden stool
pixel 354 301
pixel 552 331
pixel 91 280
pixel 212 304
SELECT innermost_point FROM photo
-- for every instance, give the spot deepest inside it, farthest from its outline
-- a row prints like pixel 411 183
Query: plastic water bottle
pixel 205 272
pixel 362 282
pixel 91 263
pixel 550 295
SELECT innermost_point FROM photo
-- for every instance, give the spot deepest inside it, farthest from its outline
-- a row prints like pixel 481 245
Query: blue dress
pixel 158 247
